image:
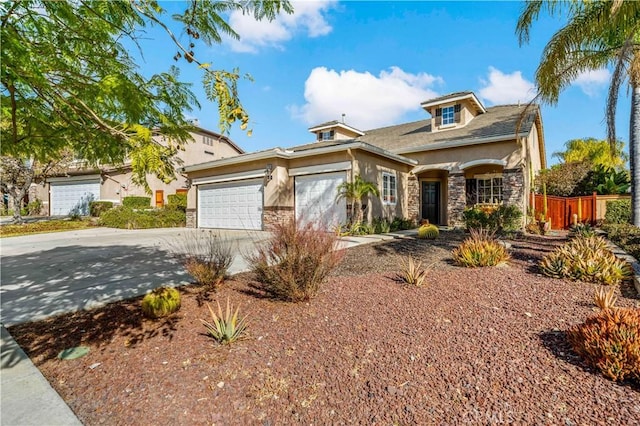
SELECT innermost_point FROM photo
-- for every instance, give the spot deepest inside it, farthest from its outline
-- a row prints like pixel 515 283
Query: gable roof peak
pixel 452 97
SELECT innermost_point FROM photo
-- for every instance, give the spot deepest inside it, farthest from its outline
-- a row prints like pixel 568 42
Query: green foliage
pixel 428 231
pixel 206 256
pixel 43 227
pixel 161 302
pixel 136 202
pixel 565 179
pixel 401 224
pixel 607 181
pixel 618 211
pixel 502 219
pixel 480 249
pixel 585 259
pixel 178 201
pixel 610 342
pixel 581 230
pixel 128 218
pixel 226 327
pixel 625 236
pixel 354 192
pixel 381 225
pixel 96 208
pixel 295 261
pixel 412 272
pixel 595 151
pixel 34 207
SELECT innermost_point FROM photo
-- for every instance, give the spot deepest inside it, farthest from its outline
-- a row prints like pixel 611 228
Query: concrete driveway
pixel 47 274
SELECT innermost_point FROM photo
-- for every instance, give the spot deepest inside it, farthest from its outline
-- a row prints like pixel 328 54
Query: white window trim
pixel 488 176
pixel 453 117
pixel 327 133
pixel 395 189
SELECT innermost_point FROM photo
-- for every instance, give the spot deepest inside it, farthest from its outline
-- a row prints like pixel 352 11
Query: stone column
pixel 272 215
pixel 457 200
pixel 191 218
pixel 513 188
pixel 413 198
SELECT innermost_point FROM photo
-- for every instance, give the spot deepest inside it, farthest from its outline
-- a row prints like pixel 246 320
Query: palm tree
pixel 354 192
pixel 598 34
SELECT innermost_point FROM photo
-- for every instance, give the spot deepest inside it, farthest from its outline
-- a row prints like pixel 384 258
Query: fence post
pixel 594 206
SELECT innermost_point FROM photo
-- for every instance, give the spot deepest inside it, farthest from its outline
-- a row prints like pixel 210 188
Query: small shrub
pixel 136 202
pixel 610 342
pixel 205 255
pixel 411 272
pixel 626 236
pixel 501 219
pixel 382 226
pixel 605 299
pixel 480 249
pixel 618 211
pixel 96 208
pixel 476 218
pixel 582 230
pixel 127 218
pixel 226 327
pixel 295 261
pixel 177 201
pixel 430 232
pixel 161 302
pixel 34 207
pixel 586 259
pixel 401 224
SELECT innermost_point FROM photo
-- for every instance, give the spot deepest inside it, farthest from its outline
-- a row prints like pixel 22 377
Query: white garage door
pixel 316 200
pixel 235 205
pixel 73 197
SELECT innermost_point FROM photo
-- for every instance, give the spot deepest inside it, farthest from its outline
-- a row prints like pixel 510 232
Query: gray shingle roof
pixel 448 96
pixel 498 121
pixel 328 123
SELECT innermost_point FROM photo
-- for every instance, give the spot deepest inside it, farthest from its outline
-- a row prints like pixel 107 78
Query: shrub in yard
pixel 177 201
pixel 161 302
pixel 226 327
pixel 429 231
pixel 295 261
pixel 610 342
pixel 97 207
pixel 581 230
pixel 412 272
pixel 128 218
pixel 136 202
pixel 585 259
pixel 401 224
pixel 381 225
pixel 34 207
pixel 618 211
pixel 626 236
pixel 480 249
pixel 501 219
pixel 205 255
pixel 605 299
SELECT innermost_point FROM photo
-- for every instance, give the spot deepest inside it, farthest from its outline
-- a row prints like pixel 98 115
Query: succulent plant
pixel 412 272
pixel 480 249
pixel 161 302
pixel 226 327
pixel 428 231
pixel 605 299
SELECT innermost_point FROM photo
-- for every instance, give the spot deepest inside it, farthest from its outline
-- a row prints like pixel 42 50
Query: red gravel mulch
pixel 476 346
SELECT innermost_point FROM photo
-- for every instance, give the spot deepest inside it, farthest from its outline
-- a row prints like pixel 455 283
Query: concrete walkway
pixel 48 274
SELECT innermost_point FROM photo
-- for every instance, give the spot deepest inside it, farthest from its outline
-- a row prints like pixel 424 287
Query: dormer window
pixel 326 135
pixel 447 115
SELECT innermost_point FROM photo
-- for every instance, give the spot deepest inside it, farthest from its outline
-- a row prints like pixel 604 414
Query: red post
pixel 594 206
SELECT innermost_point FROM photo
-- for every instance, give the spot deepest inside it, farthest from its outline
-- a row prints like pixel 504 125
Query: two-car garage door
pixel 233 205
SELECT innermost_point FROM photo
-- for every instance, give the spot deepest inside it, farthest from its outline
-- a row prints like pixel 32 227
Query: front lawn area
pixel 44 226
pixel 473 346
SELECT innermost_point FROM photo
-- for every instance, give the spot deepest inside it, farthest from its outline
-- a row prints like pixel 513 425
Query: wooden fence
pixel 561 210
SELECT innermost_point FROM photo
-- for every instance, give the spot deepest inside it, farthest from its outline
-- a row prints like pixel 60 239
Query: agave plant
pixel 605 299
pixel 226 327
pixel 412 272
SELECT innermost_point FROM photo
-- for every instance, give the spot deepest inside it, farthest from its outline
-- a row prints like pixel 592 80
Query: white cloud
pixel 592 81
pixel 308 16
pixel 368 101
pixel 504 88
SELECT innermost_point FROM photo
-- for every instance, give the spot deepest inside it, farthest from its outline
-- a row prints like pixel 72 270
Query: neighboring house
pixel 61 195
pixel 432 169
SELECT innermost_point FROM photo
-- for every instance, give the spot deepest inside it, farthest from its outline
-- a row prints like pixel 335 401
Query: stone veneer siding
pixel 413 194
pixel 191 218
pixel 273 215
pixel 457 201
pixel 513 187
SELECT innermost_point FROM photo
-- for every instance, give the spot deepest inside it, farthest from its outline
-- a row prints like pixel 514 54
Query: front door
pixel 431 202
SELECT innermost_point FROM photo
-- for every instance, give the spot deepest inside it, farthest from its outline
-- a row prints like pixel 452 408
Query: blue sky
pixel 376 61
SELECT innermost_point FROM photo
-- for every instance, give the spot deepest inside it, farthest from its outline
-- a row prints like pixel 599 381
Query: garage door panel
pixel 316 200
pixel 236 205
pixel 68 198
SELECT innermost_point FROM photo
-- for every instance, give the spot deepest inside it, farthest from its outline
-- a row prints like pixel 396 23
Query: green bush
pixel 506 218
pixel 96 208
pixel 400 224
pixel 34 207
pixel 382 225
pixel 178 201
pixel 128 218
pixel 626 236
pixel 618 211
pixel 161 302
pixel 135 202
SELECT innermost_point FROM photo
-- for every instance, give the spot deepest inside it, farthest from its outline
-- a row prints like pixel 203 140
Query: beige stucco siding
pixel 508 151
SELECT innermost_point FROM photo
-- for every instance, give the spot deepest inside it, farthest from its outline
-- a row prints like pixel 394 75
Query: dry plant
pixel 412 272
pixel 605 299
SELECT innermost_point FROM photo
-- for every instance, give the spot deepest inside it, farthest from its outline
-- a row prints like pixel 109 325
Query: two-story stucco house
pixel 62 194
pixel 461 154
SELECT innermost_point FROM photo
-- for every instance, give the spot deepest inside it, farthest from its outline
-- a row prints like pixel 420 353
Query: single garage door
pixel 73 197
pixel 316 199
pixel 234 205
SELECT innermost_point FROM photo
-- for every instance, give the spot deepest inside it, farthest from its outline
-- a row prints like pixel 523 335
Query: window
pixel 326 135
pixel 489 189
pixel 208 140
pixel 448 115
pixel 388 188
